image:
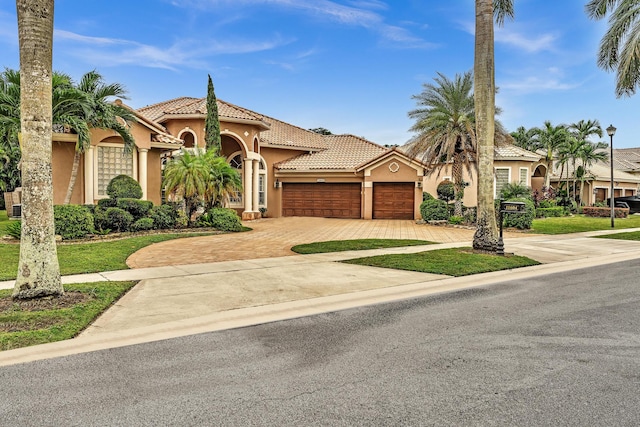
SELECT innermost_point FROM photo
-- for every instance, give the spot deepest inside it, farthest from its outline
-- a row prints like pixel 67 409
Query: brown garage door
pixel 321 200
pixel 393 200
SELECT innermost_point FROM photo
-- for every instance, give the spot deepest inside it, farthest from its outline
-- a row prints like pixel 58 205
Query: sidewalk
pixel 181 300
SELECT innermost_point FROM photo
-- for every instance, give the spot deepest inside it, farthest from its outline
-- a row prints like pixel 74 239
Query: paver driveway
pixel 274 237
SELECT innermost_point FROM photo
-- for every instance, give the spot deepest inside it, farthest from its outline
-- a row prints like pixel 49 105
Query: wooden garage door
pixel 393 200
pixel 321 200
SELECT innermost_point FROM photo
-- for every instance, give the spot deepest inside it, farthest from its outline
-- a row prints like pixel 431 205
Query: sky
pixel 351 66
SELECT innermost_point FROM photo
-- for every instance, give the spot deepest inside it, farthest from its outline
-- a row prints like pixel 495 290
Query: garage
pixel 326 200
pixel 393 200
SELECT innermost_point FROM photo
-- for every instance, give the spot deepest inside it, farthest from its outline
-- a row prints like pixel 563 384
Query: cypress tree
pixel 212 122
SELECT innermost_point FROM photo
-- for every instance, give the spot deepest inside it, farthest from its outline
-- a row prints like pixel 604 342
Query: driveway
pixel 274 237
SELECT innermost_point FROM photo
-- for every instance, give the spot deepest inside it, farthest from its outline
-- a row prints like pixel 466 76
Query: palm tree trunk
pixel 73 178
pixel 486 235
pixel 38 269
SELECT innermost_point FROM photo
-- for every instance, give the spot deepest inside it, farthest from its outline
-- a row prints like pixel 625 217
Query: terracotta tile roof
pixel 627 158
pixel 343 152
pixel 287 135
pixel 600 171
pixel 506 151
pixel 187 105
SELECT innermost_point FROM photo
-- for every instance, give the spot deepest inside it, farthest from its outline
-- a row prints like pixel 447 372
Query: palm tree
pixel 588 155
pixel 186 176
pixel 38 268
pixel 582 131
pixel 445 123
pixel 526 138
pixel 223 180
pixel 551 139
pixel 486 235
pixel 99 113
pixel 620 46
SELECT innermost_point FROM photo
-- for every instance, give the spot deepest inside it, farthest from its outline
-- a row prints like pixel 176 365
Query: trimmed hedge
pixel 223 219
pixel 164 216
pixel 113 219
pixel 434 210
pixel 123 186
pixel 143 224
pixel 73 221
pixel 556 211
pixel 521 221
pixel 136 207
pixel 599 212
pixel 106 203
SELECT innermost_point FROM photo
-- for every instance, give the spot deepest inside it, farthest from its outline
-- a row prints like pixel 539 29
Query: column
pixel 256 185
pixel 248 185
pixel 142 171
pixel 88 175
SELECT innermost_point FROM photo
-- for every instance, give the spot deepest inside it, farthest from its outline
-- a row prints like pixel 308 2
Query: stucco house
pixel 286 170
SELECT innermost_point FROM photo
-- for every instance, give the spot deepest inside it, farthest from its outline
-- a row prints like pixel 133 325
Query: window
pixel 262 184
pixel 502 178
pixel 112 161
pixel 524 176
pixel 236 163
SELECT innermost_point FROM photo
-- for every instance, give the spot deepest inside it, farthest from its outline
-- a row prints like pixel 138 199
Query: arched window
pixel 236 163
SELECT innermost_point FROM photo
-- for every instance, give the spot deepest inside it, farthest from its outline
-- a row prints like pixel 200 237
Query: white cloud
pixel 533 84
pixel 530 44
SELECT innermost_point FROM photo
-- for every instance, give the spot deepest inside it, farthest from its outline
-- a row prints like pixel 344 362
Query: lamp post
pixel 611 131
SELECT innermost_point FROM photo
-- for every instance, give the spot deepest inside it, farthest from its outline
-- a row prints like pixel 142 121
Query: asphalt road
pixel 562 349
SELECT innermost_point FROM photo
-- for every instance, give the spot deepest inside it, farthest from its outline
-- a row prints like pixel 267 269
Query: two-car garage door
pixel 327 200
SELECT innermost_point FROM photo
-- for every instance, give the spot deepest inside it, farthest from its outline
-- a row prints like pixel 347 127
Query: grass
pixel 581 223
pixel 22 324
pixel 4 220
pixel 632 235
pixel 79 258
pixel 452 262
pixel 355 245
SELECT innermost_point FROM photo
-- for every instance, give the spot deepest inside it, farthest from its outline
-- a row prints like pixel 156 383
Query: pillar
pixel 248 186
pixel 256 185
pixel 142 171
pixel 88 175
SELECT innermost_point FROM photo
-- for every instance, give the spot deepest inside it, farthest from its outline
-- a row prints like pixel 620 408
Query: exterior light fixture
pixel 612 131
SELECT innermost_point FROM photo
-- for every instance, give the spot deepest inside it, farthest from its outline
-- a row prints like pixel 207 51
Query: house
pixel 286 170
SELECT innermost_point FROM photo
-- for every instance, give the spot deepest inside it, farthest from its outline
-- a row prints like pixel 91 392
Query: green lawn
pixel 4 220
pixel 34 322
pixel 632 235
pixel 78 258
pixel 580 223
pixel 452 262
pixel 355 245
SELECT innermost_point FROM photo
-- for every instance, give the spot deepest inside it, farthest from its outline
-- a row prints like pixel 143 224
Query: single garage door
pixel 327 200
pixel 393 200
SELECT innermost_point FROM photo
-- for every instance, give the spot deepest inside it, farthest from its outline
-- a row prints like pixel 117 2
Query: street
pixel 561 349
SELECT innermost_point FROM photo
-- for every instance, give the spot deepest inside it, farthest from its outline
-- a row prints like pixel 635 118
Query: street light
pixel 611 131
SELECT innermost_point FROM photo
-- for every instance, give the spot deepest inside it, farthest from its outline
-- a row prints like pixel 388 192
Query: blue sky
pixel 350 66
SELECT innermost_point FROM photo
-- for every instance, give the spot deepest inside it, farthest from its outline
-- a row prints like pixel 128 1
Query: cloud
pixel 527 43
pixel 533 84
pixel 106 51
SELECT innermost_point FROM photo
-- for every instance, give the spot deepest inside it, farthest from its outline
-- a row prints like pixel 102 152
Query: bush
pixel 555 211
pixel 123 186
pixel 426 196
pixel 456 220
pixel 143 224
pixel 136 207
pixel 14 229
pixel 164 216
pixel 521 221
pixel 514 190
pixel 114 219
pixel 434 210
pixel 446 191
pixel 599 212
pixel 470 215
pixel 106 203
pixel 72 221
pixel 551 203
pixel 223 219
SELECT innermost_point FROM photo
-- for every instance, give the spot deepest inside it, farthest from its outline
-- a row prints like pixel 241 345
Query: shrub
pixel 599 212
pixel 14 229
pixel 164 216
pixel 514 190
pixel 72 221
pixel 136 207
pixel 142 224
pixel 115 219
pixel 123 186
pixel 90 208
pixel 551 203
pixel 426 196
pixel 106 203
pixel 555 211
pixel 434 210
pixel 2 205
pixel 521 221
pixel 223 219
pixel 470 215
pixel 446 191
pixel 456 219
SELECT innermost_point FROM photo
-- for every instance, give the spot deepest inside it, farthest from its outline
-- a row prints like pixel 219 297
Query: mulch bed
pixel 69 299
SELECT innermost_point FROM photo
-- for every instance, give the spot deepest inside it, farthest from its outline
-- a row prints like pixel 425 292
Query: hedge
pixel 123 186
pixel 550 212
pixel 136 207
pixel 434 210
pixel 221 219
pixel 521 221
pixel 72 221
pixel 602 212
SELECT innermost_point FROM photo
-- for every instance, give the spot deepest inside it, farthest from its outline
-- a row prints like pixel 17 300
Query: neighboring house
pixel 512 164
pixel 286 170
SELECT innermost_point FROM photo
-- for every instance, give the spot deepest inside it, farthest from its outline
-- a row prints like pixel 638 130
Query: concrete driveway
pixel 274 237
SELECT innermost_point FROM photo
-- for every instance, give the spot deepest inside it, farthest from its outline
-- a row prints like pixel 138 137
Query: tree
pixel 526 138
pixel 589 154
pixel 620 46
pixel 212 122
pixel 551 139
pixel 38 268
pixel 445 122
pixel 185 176
pixel 99 112
pixel 486 235
pixel 321 131
pixel 223 180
